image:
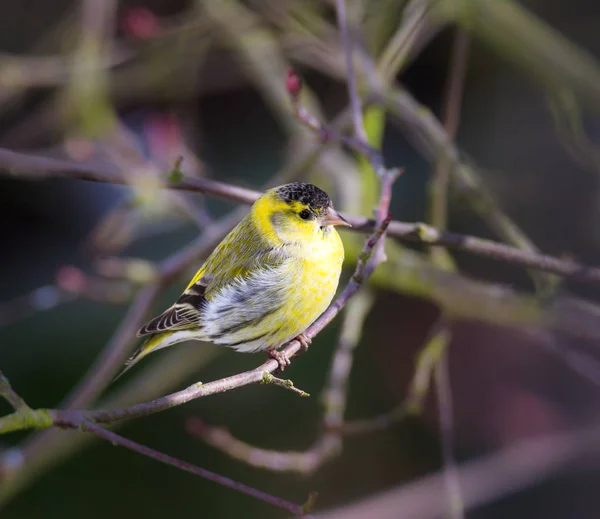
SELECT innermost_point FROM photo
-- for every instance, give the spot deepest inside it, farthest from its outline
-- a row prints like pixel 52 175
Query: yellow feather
pixel 265 283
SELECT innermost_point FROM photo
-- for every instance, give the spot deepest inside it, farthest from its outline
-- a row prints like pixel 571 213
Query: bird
pixel 269 279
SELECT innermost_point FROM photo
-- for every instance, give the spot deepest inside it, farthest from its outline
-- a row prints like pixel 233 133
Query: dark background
pixel 505 387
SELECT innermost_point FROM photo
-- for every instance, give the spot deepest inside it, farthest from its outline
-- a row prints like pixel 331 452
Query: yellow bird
pixel 269 279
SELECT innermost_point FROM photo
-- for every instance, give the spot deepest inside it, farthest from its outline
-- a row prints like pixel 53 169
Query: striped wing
pixel 184 314
pixel 236 257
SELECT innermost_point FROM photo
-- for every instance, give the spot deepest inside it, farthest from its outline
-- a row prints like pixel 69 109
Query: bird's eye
pixel 305 214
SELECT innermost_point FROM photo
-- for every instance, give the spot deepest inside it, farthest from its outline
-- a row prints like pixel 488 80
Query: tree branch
pixel 483 480
pixel 10 395
pixel 118 440
pixel 329 442
pixel 43 418
pixel 25 165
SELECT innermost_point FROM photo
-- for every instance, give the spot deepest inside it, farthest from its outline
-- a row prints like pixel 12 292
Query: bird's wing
pixel 235 258
pixel 185 313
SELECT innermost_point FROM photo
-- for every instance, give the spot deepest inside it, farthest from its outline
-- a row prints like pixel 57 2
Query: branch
pixel 10 395
pixel 24 413
pixel 118 440
pixel 26 165
pixel 43 418
pixel 329 443
pixel 444 398
pixel 451 106
pixel 483 480
pixel 355 102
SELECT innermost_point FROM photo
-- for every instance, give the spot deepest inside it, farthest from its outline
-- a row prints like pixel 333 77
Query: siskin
pixel 269 279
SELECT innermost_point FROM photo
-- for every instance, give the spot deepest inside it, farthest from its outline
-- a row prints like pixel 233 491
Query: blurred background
pixel 128 87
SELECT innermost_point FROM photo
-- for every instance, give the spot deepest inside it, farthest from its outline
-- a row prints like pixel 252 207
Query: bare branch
pixel 118 440
pixel 483 481
pixel 37 166
pixel 355 102
pixel 10 395
pixel 451 117
pixel 74 418
pixel 444 398
pixel 329 442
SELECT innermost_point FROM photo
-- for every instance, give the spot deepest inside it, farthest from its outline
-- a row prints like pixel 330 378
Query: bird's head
pixel 297 211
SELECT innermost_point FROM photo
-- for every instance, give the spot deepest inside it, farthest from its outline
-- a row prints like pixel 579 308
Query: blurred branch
pixel 329 443
pixel 427 360
pixel 19 466
pixel 429 136
pixel 118 440
pixel 10 395
pixel 355 102
pixel 510 28
pixel 35 166
pixel 483 481
pixel 452 105
pixel 43 418
pixel 418 27
pixel 23 412
pixel 444 398
pixel 71 284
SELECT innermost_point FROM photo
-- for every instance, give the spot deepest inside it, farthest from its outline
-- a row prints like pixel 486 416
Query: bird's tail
pixel 155 342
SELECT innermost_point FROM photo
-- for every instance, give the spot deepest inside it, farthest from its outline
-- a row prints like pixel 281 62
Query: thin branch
pixel 25 165
pixel 329 443
pixel 325 133
pixel 268 378
pixel 483 480
pixel 444 398
pixel 355 102
pixel 10 395
pixel 427 359
pixel 118 440
pixel 428 136
pixel 452 106
pixel 43 418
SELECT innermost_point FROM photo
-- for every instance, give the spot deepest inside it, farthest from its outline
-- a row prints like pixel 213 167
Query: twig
pixel 426 361
pixel 329 443
pixel 23 411
pixel 372 254
pixel 325 133
pixel 415 31
pixel 483 480
pixel 269 378
pixel 444 398
pixel 10 395
pixel 42 167
pixel 451 117
pixel 429 136
pixel 43 418
pixel 38 454
pixel 355 103
pixel 118 440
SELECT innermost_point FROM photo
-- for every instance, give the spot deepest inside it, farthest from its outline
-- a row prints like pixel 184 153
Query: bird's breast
pixel 316 276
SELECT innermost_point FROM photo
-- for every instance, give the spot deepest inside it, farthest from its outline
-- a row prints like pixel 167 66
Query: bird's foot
pixel 281 359
pixel 305 341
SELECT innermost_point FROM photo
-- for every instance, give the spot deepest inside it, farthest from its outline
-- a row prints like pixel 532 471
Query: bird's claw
pixel 281 359
pixel 305 341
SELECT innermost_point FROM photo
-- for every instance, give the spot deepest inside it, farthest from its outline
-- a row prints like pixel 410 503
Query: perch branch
pixel 41 167
pixel 329 443
pixel 71 418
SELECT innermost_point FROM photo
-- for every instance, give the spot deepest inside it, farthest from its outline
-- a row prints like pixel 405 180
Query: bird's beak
pixel 333 218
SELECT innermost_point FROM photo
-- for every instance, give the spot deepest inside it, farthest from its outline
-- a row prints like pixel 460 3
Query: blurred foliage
pixel 151 80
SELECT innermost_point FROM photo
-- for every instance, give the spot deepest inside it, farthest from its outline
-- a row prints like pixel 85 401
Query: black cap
pixel 306 194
